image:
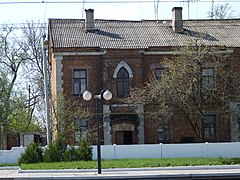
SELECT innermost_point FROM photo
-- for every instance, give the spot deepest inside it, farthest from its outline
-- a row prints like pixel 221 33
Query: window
pixel 208 77
pixel 80 128
pixel 210 128
pixel 163 130
pixel 79 81
pixel 159 72
pixel 123 83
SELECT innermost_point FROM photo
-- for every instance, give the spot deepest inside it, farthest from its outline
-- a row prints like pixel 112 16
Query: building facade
pixel 89 54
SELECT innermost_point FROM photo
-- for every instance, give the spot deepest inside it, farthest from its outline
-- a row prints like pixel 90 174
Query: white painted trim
pixel 80 53
pixel 177 52
pixel 160 52
pixel 226 51
pixel 126 66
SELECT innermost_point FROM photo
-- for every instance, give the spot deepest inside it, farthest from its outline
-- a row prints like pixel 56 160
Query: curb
pixel 9 168
pixel 132 169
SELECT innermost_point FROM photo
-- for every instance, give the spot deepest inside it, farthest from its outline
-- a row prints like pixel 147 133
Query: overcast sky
pixel 39 10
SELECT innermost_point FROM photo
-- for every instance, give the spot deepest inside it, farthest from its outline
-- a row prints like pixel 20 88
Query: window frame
pixel 81 127
pixel 163 129
pixel 157 74
pixel 208 79
pixel 210 127
pixel 123 83
pixel 81 81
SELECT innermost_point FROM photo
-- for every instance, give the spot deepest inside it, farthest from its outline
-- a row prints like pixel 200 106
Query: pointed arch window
pixel 123 83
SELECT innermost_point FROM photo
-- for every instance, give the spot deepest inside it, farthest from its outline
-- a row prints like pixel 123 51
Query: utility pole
pixel 83 9
pixel 44 51
pixel 212 13
pixel 156 2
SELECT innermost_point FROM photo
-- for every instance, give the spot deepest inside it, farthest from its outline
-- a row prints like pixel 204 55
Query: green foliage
pixel 21 118
pixel 127 163
pixel 55 151
pixel 83 152
pixel 33 154
pixel 185 90
pixel 70 154
pixel 231 161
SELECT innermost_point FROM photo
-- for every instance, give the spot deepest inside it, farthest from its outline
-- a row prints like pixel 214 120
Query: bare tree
pixel 189 88
pixel 13 55
pixel 221 11
pixel 20 59
pixel 32 33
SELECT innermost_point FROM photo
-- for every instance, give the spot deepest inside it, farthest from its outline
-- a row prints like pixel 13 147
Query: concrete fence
pixel 227 150
pixel 11 156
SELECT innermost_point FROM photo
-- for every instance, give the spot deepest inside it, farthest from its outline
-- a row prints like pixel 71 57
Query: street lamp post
pixel 106 95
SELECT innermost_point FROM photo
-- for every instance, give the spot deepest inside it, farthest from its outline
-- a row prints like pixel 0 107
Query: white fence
pixel 227 150
pixel 147 151
pixel 11 156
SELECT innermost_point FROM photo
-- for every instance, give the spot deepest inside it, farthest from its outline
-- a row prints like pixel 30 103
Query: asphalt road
pixel 192 172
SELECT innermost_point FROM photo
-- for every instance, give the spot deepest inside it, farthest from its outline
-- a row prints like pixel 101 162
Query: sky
pixel 20 11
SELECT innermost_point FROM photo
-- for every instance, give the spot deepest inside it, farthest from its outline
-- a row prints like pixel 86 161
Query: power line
pixel 107 2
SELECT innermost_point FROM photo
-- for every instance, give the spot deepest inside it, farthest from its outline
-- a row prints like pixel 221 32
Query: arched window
pixel 123 83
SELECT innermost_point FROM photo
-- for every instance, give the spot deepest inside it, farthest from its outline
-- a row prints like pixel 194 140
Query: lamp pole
pixel 106 95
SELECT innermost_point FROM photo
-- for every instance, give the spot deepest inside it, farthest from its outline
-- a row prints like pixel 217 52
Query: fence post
pixel 114 151
pixel 206 146
pixel 161 144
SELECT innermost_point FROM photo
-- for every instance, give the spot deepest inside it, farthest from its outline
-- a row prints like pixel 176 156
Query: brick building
pixel 95 54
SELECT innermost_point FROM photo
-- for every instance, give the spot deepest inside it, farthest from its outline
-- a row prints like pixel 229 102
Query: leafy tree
pixel 21 117
pixel 187 88
pixel 15 55
pixel 63 113
pixel 12 56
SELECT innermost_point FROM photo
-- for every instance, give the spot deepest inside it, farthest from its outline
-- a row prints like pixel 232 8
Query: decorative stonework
pixel 109 129
pixel 235 129
pixel 126 66
pixel 59 73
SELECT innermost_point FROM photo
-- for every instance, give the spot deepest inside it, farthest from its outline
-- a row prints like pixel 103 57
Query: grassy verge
pixel 127 163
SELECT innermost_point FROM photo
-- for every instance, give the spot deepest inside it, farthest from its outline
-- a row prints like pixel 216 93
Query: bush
pixel 70 154
pixel 33 154
pixel 55 151
pixel 84 151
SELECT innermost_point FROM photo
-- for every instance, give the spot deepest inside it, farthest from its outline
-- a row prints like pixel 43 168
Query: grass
pixel 128 163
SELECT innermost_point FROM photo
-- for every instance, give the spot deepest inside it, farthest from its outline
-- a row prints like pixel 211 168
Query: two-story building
pixel 118 55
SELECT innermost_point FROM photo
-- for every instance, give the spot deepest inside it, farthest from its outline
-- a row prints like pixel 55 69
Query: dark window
pixel 163 130
pixel 159 72
pixel 80 128
pixel 210 128
pixel 208 79
pixel 123 83
pixel 79 81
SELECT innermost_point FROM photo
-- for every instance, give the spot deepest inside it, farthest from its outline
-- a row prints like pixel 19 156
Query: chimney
pixel 177 22
pixel 89 22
